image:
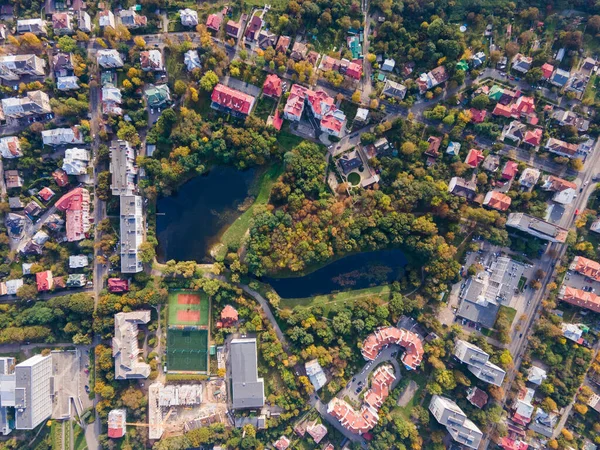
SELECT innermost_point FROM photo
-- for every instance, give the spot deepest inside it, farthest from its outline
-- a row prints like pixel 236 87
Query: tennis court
pixel 187 333
pixel 188 308
pixel 187 350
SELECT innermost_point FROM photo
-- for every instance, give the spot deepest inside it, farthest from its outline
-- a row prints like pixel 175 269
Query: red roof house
pixel 214 22
pixel 44 281
pixel 354 70
pixel 533 137
pixel 116 285
pixel 76 205
pixel 253 28
pixel 510 170
pixel 272 86
pixel 510 444
pixel 502 110
pixel 478 115
pixel 547 70
pixel 525 106
pixel 61 177
pixel 497 200
pixel 283 44
pixel 236 102
pixel 46 194
pixel 434 146
pixel 229 316
pixel 474 158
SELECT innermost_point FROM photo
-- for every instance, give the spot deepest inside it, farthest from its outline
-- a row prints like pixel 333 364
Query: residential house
pixel 33 209
pixel 266 39
pixel 151 60
pixel 247 389
pixel 109 59
pixel 453 148
pixel 60 177
pixel 433 149
pixel 131 19
pixel 13 67
pixel 85 22
pixel 10 147
pixel 537 227
pixel 491 163
pixel 122 168
pixel 157 96
pixel 189 17
pixel 315 374
pixel 229 317
pixel 462 188
pixel 76 205
pixel 461 429
pixel 61 23
pixel 35 26
pixel 13 179
pixel 131 232
pixel 547 70
pixel 587 66
pixel 508 443
pixel 317 431
pixel 106 19
pixel 214 21
pixel 125 348
pixel 474 158
pixel 44 281
pixel 533 138
pixel 117 419
pixel 388 65
pixel 560 78
pixel 117 285
pixel 585 148
pixel 477 397
pixel 231 100
pixel 62 64
pixel 536 375
pixel 253 28
pixel 272 86
pixel 564 191
pixel 362 115
pixel 561 148
pixel 46 194
pixel 111 99
pixel 67 83
pixel 282 443
pixel 523 409
pixel 577 84
pixel 478 115
pixel 233 29
pixel 510 170
pixel 78 261
pixel 15 203
pixel 62 136
pixel 478 59
pixel 394 90
pixel 192 60
pixel 497 200
pixel 432 79
pixel 529 178
pixel 569 118
pixel 299 51
pixel 34 103
pixel 572 332
pixel 76 161
pixel 521 63
pixel 283 44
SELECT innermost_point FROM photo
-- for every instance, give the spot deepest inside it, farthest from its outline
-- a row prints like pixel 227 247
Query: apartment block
pixel 132 233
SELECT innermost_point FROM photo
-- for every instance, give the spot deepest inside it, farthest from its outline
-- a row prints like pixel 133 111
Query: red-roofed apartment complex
pixel 76 204
pixel 44 281
pixel 360 422
pixel 322 106
pixel 214 22
pixel 577 297
pixel 586 267
pixel 413 347
pixel 232 101
pixel 272 86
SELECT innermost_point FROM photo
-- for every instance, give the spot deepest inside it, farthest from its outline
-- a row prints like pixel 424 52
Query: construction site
pixel 176 408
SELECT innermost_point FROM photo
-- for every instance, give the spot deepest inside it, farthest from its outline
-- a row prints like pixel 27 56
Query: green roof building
pixel 158 95
pixel 462 65
pixel 496 92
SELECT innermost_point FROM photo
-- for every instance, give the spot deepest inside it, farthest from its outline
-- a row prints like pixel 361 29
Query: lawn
pixel 418 377
pixel 589 96
pixel 56 435
pixel 509 312
pixel 341 297
pixel 174 66
pixel 354 178
pixel 264 107
pixel 232 237
pixel 286 139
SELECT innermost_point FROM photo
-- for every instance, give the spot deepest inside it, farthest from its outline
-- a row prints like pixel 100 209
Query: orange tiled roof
pixel 413 347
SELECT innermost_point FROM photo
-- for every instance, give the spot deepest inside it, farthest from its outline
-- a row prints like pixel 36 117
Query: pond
pixel 191 221
pixel 356 271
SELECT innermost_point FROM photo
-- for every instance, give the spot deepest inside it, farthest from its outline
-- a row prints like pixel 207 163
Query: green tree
pixel 209 81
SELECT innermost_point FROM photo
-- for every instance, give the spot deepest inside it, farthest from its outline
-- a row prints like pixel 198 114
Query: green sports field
pixel 187 333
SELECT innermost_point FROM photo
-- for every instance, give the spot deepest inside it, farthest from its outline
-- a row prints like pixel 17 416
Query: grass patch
pixel 354 178
pixel 67 426
pixel 78 438
pixel 232 237
pixel 286 139
pixel 421 380
pixel 174 66
pixel 56 435
pixel 522 282
pixel 349 109
pixel 510 313
pixel 331 299
pixel 589 96
pixel 264 107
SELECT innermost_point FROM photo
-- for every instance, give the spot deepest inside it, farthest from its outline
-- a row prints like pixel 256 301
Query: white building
pixel 122 167
pixel 478 363
pixel 462 430
pixel 109 59
pixel 78 261
pixel 70 83
pixel 76 161
pixel 85 22
pixel 536 375
pixel 13 67
pixel 189 17
pixel 62 136
pixel 12 286
pixel 132 233
pixel 128 363
pixel 33 401
pixel 35 26
pixel 191 60
pixel 10 147
pixel 35 102
pixel 106 19
pixel 315 374
pixel 388 65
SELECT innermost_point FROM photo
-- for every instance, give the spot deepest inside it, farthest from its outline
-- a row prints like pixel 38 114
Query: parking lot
pixel 578 281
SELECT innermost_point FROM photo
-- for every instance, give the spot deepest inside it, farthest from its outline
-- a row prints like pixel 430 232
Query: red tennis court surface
pixel 188 316
pixel 188 299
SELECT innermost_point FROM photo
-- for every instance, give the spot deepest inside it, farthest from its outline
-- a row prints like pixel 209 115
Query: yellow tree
pixel 139 42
